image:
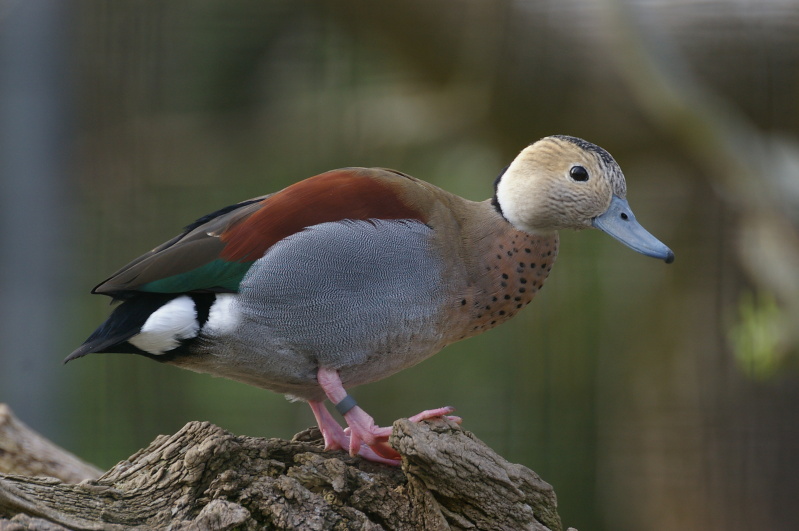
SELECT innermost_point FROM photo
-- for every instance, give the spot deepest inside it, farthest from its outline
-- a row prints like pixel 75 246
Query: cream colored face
pixel 559 183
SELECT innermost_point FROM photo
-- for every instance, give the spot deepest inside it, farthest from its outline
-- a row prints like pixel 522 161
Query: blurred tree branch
pixel 25 452
pixel 755 173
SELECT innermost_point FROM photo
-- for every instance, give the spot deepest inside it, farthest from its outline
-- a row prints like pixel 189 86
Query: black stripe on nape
pixel 588 146
pixel 494 200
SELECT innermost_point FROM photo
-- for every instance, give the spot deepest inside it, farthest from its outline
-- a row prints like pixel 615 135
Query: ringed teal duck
pixel 353 275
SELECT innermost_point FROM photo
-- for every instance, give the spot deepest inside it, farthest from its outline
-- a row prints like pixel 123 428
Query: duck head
pixel 563 182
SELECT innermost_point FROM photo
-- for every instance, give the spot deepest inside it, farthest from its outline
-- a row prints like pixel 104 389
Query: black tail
pixel 124 322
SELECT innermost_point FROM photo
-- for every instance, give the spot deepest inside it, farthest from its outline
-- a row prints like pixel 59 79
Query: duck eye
pixel 578 173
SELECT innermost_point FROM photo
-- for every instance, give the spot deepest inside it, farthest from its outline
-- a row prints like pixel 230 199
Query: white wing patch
pixel 167 326
pixel 223 317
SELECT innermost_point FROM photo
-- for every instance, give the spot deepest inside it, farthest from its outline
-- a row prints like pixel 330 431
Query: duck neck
pixel 510 269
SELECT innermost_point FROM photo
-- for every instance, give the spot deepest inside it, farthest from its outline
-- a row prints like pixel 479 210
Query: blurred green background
pixel 650 396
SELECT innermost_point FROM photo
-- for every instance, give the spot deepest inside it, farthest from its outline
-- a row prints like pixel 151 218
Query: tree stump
pixel 203 477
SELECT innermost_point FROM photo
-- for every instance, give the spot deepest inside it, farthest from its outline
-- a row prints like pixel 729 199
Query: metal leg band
pixel 345 405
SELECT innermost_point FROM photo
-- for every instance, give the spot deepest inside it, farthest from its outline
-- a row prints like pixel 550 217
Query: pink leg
pixel 363 432
pixel 335 438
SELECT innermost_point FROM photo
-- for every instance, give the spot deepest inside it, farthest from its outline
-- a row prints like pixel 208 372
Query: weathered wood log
pixel 27 453
pixel 206 478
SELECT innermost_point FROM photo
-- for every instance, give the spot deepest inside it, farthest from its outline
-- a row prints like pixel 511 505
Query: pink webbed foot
pixel 363 430
pixel 337 438
pixel 362 437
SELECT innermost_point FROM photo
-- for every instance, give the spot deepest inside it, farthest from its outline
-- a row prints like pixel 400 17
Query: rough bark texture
pixel 206 478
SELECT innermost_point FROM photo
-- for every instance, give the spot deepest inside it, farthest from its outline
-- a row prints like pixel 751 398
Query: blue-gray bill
pixel 619 222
